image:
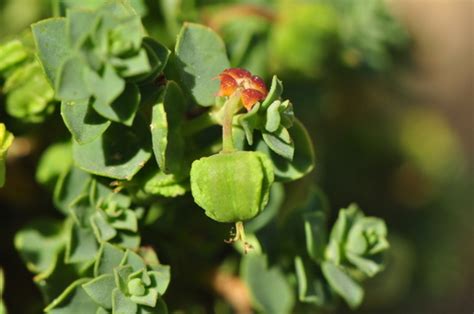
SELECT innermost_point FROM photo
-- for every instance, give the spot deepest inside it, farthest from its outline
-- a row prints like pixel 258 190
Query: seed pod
pixel 233 186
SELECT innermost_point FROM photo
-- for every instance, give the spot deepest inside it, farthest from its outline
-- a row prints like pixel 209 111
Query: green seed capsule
pixel 233 186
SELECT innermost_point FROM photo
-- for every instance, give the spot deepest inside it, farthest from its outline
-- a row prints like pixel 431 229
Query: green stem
pixel 200 123
pixel 230 107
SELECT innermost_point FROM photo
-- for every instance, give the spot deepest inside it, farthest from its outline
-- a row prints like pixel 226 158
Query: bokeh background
pixel 386 90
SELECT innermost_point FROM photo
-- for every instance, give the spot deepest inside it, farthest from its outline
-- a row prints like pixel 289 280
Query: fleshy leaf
pixel 258 277
pixel 201 57
pixel 343 284
pixel 167 114
pixel 105 88
pixel 84 123
pixel 109 257
pixel 123 108
pixel 276 89
pixel 12 53
pixel 69 187
pixel 303 159
pixel 121 304
pixel 70 84
pixel 51 41
pixel 107 156
pixel 100 290
pixel 73 300
pixel 280 142
pixel 82 245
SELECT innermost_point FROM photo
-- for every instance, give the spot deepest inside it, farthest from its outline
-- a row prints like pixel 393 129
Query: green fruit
pixel 233 186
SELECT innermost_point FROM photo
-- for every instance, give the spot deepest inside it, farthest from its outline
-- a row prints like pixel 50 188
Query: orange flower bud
pixel 253 87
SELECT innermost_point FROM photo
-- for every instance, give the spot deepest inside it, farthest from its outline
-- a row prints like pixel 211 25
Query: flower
pixel 252 87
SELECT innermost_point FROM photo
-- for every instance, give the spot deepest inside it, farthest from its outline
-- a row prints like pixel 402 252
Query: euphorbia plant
pixel 142 122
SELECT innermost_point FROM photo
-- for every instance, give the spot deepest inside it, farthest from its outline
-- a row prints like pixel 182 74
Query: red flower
pixel 252 87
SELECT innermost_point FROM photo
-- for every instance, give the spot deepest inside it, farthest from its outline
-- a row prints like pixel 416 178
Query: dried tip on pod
pixel 253 87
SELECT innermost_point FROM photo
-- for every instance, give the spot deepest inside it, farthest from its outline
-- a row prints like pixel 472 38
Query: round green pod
pixel 232 187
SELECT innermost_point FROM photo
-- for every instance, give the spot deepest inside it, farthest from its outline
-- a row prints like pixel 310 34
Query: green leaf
pixel 310 288
pixel 6 140
pixel 343 284
pixel 316 234
pixel 105 88
pixel 158 55
pixel 280 142
pixel 121 275
pixel 69 187
pixel 127 221
pixel 81 24
pixel 107 156
pixel 29 95
pixel 122 109
pixel 134 260
pixel 49 168
pixel 82 245
pixel 100 290
pixel 39 244
pixel 168 185
pixel 303 159
pixel 258 278
pixel 273 117
pixel 102 228
pixel 121 304
pixel 276 89
pixel 73 300
pixel 12 53
pixel 108 258
pixel 51 42
pixel 201 57
pixel 149 299
pixel 84 123
pixel 134 65
pixel 160 278
pixel 70 83
pixel 167 115
pixel 277 195
pixel 250 121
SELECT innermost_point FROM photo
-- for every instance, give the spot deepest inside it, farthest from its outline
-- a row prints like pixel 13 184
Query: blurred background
pixel 386 90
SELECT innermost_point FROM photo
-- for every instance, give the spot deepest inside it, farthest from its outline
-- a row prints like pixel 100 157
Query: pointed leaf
pixel 100 290
pixel 73 300
pixel 70 84
pixel 123 108
pixel 201 57
pixel 51 42
pixel 107 156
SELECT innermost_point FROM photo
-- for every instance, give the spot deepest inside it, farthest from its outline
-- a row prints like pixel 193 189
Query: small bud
pixel 253 87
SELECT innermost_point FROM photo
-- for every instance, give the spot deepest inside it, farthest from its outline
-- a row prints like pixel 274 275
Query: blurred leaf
pixel 316 234
pixel 11 53
pixel 343 284
pixel 311 289
pixel 258 277
pixel 276 89
pixel 6 140
pixel 29 95
pixel 201 57
pixel 277 196
pixel 49 169
pixel 39 244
